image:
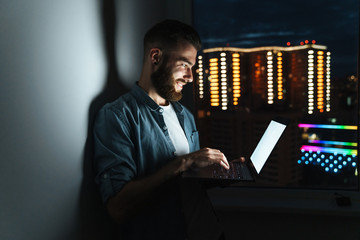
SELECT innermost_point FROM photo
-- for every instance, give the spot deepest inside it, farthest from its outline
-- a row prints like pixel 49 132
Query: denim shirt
pixel 131 140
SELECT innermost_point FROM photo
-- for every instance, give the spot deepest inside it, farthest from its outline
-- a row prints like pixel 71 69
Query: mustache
pixel 181 80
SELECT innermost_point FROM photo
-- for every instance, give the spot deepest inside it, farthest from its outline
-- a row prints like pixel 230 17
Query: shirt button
pixel 161 110
pixel 165 128
pixel 105 176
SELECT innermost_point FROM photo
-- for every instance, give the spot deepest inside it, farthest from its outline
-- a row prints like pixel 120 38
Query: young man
pixel 146 139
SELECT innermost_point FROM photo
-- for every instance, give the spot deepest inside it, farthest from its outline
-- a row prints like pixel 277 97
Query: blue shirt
pixel 132 141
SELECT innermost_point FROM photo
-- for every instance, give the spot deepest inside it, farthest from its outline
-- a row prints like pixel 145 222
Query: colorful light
pixel 352 144
pixel 329 150
pixel 346 127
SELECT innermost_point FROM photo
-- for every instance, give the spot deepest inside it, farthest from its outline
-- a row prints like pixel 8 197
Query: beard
pixel 164 83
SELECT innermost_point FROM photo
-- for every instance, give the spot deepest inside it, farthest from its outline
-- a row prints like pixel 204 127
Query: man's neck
pixel 148 88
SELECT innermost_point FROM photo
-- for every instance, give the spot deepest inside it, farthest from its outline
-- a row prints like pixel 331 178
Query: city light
pixel 236 78
pixel 326 126
pixel 328 83
pixel 329 150
pixel 279 76
pixel 310 81
pixel 320 81
pixel 214 82
pixel 201 76
pixel 259 77
pixel 270 77
pixel 224 100
pixel 352 144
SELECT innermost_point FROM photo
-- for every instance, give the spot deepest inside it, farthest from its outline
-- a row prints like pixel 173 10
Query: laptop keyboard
pixel 236 171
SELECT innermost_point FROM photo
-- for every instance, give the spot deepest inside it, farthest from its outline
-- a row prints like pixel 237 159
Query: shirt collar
pixel 143 97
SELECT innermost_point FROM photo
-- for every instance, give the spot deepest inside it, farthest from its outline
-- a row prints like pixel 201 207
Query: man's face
pixel 174 72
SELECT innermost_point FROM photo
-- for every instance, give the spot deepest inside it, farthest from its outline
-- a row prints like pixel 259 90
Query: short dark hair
pixel 169 33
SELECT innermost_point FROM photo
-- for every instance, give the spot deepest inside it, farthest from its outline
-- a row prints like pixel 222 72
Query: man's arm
pixel 137 193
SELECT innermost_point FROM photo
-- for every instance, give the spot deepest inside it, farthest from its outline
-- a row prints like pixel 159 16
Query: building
pixel 265 78
pixel 238 91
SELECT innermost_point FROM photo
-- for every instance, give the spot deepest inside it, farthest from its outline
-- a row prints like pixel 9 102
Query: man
pixel 146 139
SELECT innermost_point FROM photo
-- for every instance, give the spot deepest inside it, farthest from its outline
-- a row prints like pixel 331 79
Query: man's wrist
pixel 187 163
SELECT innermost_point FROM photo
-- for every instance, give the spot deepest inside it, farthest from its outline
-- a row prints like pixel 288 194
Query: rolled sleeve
pixel 113 153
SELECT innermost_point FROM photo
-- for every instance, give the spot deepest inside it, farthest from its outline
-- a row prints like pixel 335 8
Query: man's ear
pixel 155 55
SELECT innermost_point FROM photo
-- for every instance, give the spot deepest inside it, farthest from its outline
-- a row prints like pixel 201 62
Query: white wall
pixel 51 67
pixel 53 70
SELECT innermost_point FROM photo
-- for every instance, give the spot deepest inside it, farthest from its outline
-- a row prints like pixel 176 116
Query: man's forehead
pixel 184 51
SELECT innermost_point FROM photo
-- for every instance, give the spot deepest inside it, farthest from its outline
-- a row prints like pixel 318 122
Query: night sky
pixel 245 24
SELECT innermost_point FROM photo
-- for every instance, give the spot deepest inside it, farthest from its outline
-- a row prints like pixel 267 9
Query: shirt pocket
pixel 194 137
pixel 194 143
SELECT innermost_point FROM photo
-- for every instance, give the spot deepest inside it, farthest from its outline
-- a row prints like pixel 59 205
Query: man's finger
pixel 225 163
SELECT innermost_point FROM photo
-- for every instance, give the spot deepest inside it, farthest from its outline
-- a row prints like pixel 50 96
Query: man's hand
pixel 202 158
pixel 136 194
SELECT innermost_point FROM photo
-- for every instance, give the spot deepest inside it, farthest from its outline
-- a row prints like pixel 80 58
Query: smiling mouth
pixel 180 84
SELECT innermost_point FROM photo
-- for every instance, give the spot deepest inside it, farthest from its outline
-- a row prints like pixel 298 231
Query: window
pixel 262 59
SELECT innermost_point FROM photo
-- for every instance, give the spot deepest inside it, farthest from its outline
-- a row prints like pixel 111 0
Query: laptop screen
pixel 266 144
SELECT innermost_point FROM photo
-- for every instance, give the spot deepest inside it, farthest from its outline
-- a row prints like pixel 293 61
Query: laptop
pixel 248 170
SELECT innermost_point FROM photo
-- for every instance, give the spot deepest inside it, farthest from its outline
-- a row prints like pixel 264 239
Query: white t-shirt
pixel 175 130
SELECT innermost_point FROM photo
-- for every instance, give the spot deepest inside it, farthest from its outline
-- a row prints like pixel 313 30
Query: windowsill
pixel 316 202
